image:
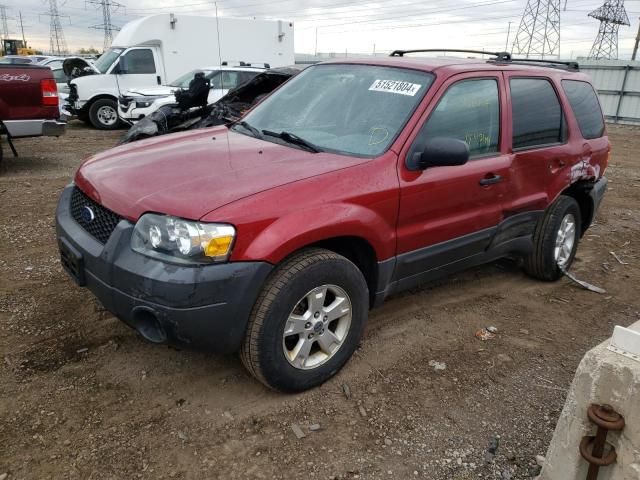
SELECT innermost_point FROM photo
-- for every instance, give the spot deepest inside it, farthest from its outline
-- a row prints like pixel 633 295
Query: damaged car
pixel 184 115
pixel 274 235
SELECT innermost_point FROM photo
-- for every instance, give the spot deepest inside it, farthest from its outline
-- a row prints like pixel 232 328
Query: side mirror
pixel 440 152
pixel 120 68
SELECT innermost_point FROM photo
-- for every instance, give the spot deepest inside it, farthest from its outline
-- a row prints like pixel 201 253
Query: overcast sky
pixel 354 26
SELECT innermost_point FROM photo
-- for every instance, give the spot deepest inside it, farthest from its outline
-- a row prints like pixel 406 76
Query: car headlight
pixel 182 241
pixel 146 102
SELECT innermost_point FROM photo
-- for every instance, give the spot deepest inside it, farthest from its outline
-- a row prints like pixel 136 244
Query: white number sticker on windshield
pixel 395 86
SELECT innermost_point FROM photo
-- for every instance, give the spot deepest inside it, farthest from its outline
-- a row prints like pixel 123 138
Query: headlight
pixel 146 102
pixel 182 241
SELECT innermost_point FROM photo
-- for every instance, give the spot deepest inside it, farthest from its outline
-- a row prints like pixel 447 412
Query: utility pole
pixel 539 31
pixel 611 15
pixel 506 45
pixel 635 48
pixel 316 49
pixel 3 22
pixel 24 40
pixel 106 24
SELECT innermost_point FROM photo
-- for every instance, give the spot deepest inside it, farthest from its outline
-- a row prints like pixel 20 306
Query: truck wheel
pixel 555 240
pixel 307 322
pixel 103 114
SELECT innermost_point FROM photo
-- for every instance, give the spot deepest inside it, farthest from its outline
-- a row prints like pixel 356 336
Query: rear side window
pixel 586 107
pixel 537 115
pixel 468 111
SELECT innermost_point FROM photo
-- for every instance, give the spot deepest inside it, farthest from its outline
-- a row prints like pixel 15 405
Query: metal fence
pixel 618 84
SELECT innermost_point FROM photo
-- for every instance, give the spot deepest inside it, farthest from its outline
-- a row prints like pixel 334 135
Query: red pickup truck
pixel 29 102
pixel 353 181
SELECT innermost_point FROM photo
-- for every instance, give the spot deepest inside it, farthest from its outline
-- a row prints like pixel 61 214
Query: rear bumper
pixel 597 193
pixel 35 128
pixel 205 307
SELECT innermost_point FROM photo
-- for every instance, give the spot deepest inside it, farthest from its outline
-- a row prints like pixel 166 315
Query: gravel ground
pixel 83 396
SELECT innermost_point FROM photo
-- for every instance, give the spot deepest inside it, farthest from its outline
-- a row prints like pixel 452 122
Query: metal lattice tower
pixel 539 31
pixel 3 20
pixel 106 25
pixel 611 15
pixel 57 43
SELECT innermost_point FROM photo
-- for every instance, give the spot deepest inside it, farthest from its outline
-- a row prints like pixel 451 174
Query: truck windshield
pixel 107 59
pixel 349 109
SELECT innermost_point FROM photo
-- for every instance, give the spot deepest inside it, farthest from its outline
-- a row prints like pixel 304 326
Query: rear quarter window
pixel 586 108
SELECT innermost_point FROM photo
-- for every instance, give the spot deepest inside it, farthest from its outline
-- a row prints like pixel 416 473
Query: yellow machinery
pixel 16 47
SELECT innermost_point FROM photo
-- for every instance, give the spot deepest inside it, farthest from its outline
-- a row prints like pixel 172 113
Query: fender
pixel 305 227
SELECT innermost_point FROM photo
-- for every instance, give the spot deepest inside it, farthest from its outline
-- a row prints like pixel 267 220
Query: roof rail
pixel 500 56
pixel 573 66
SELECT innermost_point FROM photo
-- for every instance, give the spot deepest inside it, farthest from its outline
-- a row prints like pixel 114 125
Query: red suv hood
pixel 192 173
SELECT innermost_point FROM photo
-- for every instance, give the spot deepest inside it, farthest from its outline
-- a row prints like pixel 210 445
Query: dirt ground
pixel 84 397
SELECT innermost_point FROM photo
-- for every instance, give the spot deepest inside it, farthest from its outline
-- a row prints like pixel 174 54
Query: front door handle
pixel 159 80
pixel 490 180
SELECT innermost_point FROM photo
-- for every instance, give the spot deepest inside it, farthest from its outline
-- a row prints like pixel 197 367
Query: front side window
pixel 586 108
pixel 139 61
pixel 350 109
pixel 468 111
pixel 537 115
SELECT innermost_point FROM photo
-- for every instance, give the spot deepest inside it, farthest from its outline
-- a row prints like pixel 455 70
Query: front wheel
pixel 555 240
pixel 307 322
pixel 103 114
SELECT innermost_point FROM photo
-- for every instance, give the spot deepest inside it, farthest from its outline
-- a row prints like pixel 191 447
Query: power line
pixel 539 31
pixel 611 15
pixel 106 25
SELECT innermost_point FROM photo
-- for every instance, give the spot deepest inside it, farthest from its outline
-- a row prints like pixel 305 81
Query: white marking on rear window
pixel 395 86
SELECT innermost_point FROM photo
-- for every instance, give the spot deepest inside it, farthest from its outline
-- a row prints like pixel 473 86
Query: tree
pixel 88 51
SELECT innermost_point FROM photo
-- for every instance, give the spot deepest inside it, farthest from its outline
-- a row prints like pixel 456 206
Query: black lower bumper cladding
pixel 205 307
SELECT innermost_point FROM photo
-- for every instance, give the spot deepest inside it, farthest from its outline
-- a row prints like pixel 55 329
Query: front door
pixel 449 213
pixel 137 67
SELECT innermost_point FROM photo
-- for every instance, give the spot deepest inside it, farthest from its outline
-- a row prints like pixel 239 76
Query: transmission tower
pixel 611 15
pixel 106 25
pixel 57 43
pixel 539 31
pixel 3 20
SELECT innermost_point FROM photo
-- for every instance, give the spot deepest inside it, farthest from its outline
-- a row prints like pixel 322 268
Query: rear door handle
pixel 490 180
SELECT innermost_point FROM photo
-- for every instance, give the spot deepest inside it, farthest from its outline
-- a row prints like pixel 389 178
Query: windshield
pixel 107 59
pixel 350 109
pixel 183 81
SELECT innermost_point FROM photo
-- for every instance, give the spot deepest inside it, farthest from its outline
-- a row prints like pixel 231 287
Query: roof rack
pixel 500 56
pixel 573 66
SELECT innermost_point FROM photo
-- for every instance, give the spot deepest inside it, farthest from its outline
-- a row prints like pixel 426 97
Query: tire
pixel 267 353
pixel 103 114
pixel 545 262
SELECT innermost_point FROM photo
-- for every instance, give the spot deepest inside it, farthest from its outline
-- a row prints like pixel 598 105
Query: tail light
pixel 49 91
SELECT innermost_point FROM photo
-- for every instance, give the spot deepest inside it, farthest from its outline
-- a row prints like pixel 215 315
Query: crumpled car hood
pixel 192 173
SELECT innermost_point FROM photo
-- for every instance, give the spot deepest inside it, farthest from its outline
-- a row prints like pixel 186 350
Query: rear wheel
pixel 555 240
pixel 103 114
pixel 307 321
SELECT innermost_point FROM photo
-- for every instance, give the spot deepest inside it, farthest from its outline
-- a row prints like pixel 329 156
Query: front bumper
pixel 205 307
pixel 35 128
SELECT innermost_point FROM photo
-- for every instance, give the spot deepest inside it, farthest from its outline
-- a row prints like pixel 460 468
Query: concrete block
pixel 603 377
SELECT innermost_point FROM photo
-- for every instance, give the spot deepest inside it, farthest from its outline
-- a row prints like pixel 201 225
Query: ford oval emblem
pixel 87 214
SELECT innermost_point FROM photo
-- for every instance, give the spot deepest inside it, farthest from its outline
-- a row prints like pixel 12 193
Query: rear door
pixel 448 213
pixel 539 141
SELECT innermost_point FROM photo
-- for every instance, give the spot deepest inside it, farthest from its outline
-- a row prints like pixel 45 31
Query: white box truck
pixel 158 49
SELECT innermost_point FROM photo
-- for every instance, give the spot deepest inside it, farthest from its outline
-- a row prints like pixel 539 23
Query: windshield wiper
pixel 293 139
pixel 256 133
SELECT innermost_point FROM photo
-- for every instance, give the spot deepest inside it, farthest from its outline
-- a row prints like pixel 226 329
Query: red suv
pixel 353 181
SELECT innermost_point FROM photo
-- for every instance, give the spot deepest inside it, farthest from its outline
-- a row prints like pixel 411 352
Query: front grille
pixel 100 224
